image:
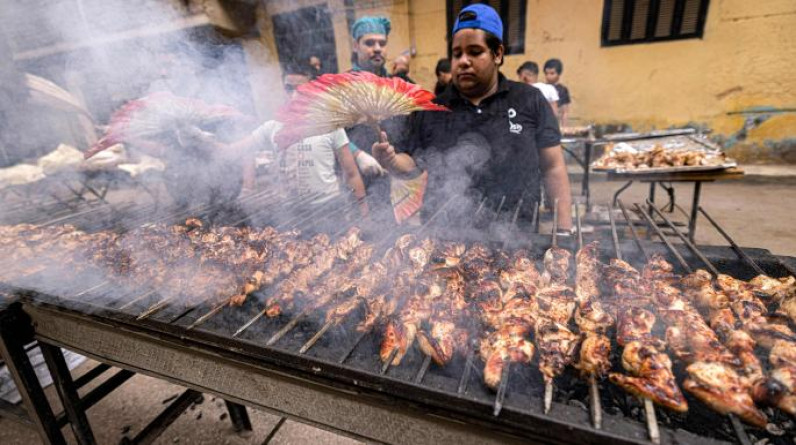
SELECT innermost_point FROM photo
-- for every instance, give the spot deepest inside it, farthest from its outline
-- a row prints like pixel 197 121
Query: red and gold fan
pixel 335 101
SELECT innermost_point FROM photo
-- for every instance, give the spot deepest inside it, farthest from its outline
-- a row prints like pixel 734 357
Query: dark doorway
pixel 303 33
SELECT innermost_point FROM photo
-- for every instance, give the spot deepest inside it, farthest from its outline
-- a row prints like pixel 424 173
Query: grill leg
pixel 692 222
pixel 15 331
pixel 239 417
pixel 68 393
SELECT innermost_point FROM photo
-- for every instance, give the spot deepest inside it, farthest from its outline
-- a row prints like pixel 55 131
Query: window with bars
pixel 512 12
pixel 642 21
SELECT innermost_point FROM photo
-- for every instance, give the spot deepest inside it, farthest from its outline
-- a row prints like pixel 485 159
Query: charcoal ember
pixel 578 403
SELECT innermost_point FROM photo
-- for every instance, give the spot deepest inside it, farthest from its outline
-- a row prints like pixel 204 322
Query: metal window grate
pixel 643 21
pixel 512 12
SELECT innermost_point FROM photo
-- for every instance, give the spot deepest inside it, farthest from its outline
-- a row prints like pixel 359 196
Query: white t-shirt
pixel 306 167
pixel 549 91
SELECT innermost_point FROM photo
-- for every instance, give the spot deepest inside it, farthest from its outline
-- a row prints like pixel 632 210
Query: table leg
pixel 692 222
pixel 586 190
pixel 239 417
pixel 62 378
pixel 653 184
pixel 621 189
pixel 15 331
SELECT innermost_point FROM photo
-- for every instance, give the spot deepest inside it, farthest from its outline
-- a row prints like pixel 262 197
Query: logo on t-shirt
pixel 514 128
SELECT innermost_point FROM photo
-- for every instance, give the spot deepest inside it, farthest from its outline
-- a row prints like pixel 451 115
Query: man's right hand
pixel 384 152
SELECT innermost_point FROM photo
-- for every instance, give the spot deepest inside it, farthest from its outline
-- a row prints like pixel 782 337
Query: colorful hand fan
pixel 335 101
pixel 152 115
pixel 406 196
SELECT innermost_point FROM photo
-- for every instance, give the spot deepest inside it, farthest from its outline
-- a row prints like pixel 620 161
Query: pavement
pixel 756 210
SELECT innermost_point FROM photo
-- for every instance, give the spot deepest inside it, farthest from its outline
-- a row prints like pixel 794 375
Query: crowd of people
pixel 500 142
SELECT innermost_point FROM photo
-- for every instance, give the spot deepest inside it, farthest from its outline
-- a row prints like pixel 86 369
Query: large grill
pixel 335 379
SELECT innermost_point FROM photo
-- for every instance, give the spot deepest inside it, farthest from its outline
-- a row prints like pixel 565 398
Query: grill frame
pixel 435 415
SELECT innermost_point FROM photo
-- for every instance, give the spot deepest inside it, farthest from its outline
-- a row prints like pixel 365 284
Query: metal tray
pixel 685 168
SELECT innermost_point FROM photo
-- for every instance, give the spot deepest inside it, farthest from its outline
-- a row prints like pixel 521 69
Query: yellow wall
pixel 745 62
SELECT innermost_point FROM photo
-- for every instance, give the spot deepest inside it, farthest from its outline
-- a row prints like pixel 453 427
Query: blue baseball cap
pixel 479 16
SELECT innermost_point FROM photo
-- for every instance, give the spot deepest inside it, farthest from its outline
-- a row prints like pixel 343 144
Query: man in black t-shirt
pixel 552 71
pixel 498 143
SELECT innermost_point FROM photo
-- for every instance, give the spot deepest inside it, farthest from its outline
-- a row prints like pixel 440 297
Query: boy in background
pixel 553 69
pixel 528 73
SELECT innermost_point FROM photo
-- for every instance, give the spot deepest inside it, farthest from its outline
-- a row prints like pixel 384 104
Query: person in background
pixel 528 73
pixel 316 69
pixel 400 68
pixel 509 133
pixel 307 168
pixel 443 72
pixel 369 41
pixel 553 69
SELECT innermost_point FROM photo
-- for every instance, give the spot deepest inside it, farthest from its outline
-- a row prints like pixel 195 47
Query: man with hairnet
pixel 369 43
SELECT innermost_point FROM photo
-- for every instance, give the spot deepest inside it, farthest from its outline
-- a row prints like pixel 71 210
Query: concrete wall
pixel 739 80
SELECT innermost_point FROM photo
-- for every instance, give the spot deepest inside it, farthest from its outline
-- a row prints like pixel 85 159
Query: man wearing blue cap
pixel 498 143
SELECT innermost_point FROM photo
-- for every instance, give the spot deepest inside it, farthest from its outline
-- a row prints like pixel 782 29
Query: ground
pixel 757 212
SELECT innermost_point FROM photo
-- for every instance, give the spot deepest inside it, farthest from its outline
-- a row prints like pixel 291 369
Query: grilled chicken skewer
pixel 594 322
pixel 363 290
pixel 401 330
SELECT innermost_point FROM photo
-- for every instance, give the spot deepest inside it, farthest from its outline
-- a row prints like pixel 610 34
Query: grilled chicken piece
pixel 556 266
pixel 443 340
pixel 595 355
pixel 557 346
pixel 635 324
pixel 623 286
pixel 651 376
pixel 556 303
pixel 658 269
pixel 777 288
pixel 587 272
pixel 779 389
pixel 508 344
pixel 783 353
pixel 743 346
pixel 720 387
pixel 591 317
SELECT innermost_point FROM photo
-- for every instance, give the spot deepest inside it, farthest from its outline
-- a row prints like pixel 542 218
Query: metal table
pixel 654 179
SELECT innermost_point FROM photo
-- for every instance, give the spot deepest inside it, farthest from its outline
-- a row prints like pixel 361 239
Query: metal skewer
pixel 92 288
pixel 359 339
pixel 388 362
pixel 548 394
pixel 311 342
pixel 215 310
pixel 652 422
pixel 249 323
pixel 423 369
pixel 649 408
pixel 633 232
pixel 688 243
pixel 734 246
pixel 663 238
pixel 155 308
pixel 290 325
pixel 548 383
pixel 468 366
pixel 136 300
pixel 594 390
pixel 501 392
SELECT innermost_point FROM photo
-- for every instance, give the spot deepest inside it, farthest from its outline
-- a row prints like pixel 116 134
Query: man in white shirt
pixel 307 170
pixel 528 73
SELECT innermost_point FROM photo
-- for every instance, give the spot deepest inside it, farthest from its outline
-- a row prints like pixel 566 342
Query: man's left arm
pixel 551 162
pixel 556 181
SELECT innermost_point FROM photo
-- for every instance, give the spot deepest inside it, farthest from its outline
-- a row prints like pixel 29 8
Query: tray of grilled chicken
pixel 684 153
